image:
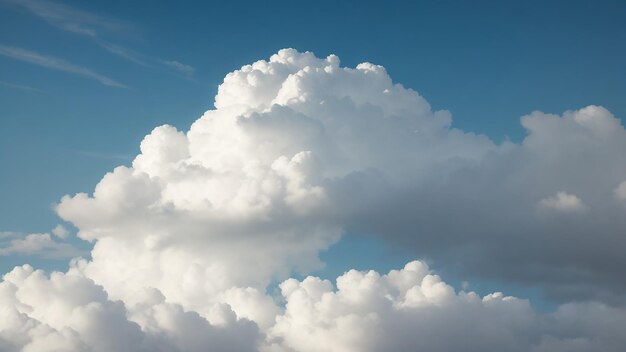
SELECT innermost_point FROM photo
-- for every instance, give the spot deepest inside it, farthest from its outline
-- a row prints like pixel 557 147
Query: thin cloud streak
pixel 123 52
pixel 68 18
pixel 179 66
pixel 20 86
pixel 56 64
pixel 87 24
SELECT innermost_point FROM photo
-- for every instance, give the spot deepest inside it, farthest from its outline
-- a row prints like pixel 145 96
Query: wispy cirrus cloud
pixel 68 18
pixel 87 24
pixel 179 66
pixel 125 53
pixel 58 64
pixel 20 86
pixel 144 60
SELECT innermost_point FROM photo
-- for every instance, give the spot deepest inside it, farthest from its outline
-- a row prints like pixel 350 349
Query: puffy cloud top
pixel 297 151
pixel 256 177
pixel 406 309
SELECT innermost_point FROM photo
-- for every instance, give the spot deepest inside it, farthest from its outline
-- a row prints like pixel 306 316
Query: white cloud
pixel 68 18
pixel 412 309
pixel 486 212
pixel 8 234
pixel 406 309
pixel 56 64
pixel 252 177
pixel 620 191
pixel 179 66
pixel 563 202
pixel 36 244
pixel 93 26
pixel 20 86
pixel 124 53
pixel 299 150
pixel 60 231
pixel 68 312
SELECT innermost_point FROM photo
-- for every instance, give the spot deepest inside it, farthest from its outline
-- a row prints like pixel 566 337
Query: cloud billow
pixel 299 150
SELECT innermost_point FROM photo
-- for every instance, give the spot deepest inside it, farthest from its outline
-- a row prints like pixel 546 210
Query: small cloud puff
pixel 563 202
pixel 620 192
pixel 38 244
pixel 60 231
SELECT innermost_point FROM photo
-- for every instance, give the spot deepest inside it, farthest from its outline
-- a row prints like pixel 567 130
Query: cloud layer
pixel 413 310
pixel 299 150
pixel 406 309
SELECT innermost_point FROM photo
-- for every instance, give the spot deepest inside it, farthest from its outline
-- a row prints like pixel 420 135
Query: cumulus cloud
pixel 37 244
pixel 406 309
pixel 484 215
pixel 299 150
pixel 413 309
pixel 68 312
pixel 60 231
pixel 620 191
pixel 563 202
pixel 255 176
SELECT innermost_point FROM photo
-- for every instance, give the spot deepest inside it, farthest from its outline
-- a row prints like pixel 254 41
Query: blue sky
pixel 99 84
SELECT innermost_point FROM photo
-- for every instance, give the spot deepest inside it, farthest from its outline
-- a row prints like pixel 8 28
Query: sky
pixel 487 148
